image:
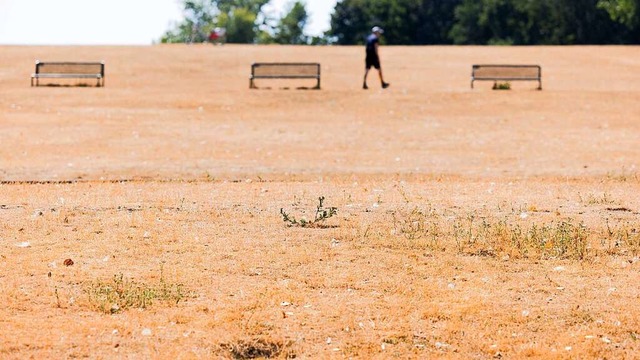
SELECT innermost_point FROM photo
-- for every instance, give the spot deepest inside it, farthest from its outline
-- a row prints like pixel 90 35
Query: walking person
pixel 373 59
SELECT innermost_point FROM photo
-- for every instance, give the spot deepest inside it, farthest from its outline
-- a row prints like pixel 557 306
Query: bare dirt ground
pixel 470 223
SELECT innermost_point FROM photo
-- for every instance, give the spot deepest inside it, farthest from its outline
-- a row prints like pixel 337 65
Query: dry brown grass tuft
pixel 258 349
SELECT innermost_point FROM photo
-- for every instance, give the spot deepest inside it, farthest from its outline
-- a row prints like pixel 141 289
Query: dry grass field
pixel 146 219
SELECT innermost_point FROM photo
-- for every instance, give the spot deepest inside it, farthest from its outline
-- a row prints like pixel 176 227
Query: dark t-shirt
pixel 372 40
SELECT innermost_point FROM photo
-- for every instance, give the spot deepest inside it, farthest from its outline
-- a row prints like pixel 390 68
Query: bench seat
pixel 285 71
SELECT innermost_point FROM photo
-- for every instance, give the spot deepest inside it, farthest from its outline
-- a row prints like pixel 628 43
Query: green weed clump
pixel 502 86
pixel 120 294
pixel 322 213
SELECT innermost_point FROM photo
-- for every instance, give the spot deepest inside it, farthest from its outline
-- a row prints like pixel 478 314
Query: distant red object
pixel 218 35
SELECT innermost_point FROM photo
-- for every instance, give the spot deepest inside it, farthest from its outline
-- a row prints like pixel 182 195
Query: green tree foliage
pixel 626 12
pixel 404 21
pixel 199 16
pixel 290 28
pixel 253 6
pixel 435 19
pixel 518 22
pixel 239 17
pixel 351 21
pixel 506 22
pixel 240 25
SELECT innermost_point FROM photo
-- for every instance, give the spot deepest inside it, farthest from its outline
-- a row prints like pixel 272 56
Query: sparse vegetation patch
pixel 121 293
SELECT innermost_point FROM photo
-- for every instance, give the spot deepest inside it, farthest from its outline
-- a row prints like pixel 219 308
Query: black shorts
pixel 372 61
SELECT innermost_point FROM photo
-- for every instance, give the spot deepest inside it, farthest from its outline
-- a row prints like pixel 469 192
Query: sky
pixel 113 22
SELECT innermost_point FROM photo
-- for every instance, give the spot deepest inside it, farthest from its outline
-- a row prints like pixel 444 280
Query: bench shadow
pixel 287 88
pixel 327 226
pixel 67 85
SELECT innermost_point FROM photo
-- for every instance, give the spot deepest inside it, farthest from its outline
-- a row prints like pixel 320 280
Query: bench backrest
pixel 288 70
pixel 513 72
pixel 88 68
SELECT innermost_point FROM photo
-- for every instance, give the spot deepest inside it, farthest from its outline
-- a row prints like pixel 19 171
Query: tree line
pixel 420 22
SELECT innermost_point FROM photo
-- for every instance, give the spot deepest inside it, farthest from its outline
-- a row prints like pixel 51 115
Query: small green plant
pixel 621 238
pixel 565 240
pixel 593 199
pixel 58 299
pixel 418 224
pixel 464 232
pixel 120 294
pixel 322 213
pixel 579 316
pixel 502 86
pixel 623 176
pixel 413 225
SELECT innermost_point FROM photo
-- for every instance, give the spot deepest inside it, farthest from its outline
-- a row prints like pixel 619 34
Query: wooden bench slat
pixel 284 77
pixel 515 78
pixel 67 75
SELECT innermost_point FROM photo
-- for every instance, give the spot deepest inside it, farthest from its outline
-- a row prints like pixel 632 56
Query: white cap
pixel 377 29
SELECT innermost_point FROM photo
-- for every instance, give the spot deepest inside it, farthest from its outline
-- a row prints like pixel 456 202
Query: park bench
pixel 507 73
pixel 285 71
pixel 70 70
